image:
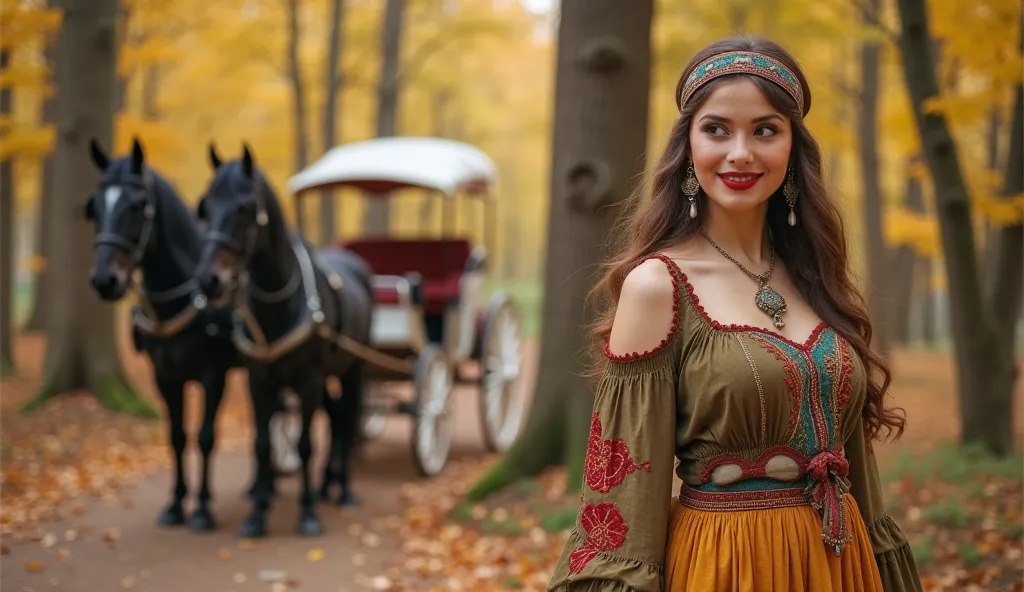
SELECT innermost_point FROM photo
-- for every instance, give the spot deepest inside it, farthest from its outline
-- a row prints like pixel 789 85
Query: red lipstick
pixel 739 181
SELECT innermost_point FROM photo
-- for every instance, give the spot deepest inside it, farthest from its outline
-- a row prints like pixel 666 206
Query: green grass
pixel 527 294
pixel 954 464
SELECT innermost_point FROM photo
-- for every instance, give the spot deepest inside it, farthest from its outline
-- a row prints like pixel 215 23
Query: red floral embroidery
pixel 608 461
pixel 606 531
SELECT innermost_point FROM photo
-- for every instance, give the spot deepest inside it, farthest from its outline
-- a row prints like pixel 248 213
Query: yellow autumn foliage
pixel 482 71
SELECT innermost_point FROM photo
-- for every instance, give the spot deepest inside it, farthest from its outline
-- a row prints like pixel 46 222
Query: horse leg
pixel 262 395
pixel 173 393
pixel 332 466
pixel 350 411
pixel 309 395
pixel 213 387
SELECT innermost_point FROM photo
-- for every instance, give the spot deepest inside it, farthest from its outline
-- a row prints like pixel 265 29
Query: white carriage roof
pixel 385 164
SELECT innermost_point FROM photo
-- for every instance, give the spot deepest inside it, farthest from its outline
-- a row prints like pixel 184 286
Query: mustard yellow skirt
pixel 776 550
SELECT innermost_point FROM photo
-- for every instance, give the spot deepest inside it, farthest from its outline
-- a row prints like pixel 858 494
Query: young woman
pixel 736 353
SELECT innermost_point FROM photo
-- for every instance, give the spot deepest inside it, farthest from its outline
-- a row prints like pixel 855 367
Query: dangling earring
pixel 790 192
pixel 690 188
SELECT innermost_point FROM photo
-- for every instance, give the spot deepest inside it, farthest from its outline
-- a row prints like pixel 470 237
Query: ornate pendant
pixel 772 303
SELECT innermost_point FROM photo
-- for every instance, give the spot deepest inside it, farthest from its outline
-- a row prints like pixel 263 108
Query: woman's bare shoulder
pixel 645 314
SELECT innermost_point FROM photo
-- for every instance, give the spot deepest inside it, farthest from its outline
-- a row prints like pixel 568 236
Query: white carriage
pixel 428 324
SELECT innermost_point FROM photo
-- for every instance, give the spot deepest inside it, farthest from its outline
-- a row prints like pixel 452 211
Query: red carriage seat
pixel 440 262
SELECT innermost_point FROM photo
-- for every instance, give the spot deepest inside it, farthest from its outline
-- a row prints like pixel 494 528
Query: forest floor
pixel 82 488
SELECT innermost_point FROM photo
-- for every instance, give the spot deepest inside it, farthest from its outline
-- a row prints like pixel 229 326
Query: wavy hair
pixel 814 252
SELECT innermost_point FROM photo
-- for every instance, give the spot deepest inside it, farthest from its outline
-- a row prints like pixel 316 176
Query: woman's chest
pixel 751 389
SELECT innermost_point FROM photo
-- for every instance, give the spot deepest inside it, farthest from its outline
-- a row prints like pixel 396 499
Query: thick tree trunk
pixel 332 84
pixel 41 287
pixel 6 241
pixel 1007 283
pixel 601 96
pixel 298 87
pixel 877 253
pixel 378 214
pixel 981 371
pixel 81 349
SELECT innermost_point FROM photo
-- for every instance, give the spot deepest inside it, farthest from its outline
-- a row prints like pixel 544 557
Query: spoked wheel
pixel 502 397
pixel 376 413
pixel 432 419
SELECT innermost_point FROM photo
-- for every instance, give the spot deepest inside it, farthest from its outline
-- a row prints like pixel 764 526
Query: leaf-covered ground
pixel 961 509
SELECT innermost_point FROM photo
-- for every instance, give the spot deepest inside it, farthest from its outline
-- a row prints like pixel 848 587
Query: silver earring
pixel 790 192
pixel 690 188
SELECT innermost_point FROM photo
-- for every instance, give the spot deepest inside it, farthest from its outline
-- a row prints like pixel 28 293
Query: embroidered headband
pixel 742 62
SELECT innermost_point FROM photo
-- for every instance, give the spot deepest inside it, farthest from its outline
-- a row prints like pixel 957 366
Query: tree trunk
pixel 332 84
pixel 150 92
pixel 601 110
pixel 298 88
pixel 41 287
pixel 377 214
pixel 81 349
pixel 877 253
pixel 123 22
pixel 902 269
pixel 981 371
pixel 1006 285
pixel 6 240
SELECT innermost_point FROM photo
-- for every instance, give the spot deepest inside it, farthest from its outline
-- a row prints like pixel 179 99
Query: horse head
pixel 235 210
pixel 122 210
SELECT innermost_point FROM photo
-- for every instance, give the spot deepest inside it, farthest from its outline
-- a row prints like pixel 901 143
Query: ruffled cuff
pixel 610 573
pixel 892 554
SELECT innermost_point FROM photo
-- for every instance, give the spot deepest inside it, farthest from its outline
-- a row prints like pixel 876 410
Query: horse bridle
pixel 138 248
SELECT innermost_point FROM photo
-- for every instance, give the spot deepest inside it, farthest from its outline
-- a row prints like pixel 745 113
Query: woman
pixel 737 346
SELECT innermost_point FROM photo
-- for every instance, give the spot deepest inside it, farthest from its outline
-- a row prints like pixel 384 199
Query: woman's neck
pixel 744 235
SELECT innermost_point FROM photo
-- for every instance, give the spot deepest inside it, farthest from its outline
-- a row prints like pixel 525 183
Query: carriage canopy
pixel 381 165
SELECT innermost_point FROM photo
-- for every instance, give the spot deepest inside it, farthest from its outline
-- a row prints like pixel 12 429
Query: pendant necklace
pixel 767 299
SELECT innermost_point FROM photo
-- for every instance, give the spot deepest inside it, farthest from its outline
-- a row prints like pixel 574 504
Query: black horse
pixel 142 223
pixel 299 315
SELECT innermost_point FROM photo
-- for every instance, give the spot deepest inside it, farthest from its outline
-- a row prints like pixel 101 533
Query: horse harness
pixel 312 321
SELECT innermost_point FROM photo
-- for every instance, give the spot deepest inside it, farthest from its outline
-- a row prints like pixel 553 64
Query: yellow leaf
pixel 315 555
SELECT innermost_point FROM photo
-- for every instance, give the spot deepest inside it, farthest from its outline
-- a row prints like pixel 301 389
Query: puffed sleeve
pixel 892 551
pixel 618 543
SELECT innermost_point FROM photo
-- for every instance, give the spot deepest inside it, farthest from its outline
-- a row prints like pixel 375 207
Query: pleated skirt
pixel 773 550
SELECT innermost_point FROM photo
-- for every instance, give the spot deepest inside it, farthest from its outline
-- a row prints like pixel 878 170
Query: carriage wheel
pixel 432 418
pixel 285 431
pixel 375 415
pixel 502 397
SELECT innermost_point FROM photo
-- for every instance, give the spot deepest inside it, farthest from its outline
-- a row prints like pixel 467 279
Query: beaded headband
pixel 742 62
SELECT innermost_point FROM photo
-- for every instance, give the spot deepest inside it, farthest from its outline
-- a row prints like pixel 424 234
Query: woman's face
pixel 740 146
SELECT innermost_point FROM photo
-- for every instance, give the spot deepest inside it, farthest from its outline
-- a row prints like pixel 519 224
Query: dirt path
pixel 352 554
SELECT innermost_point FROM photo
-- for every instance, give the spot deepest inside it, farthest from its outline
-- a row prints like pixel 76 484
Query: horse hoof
pixel 348 499
pixel 201 521
pixel 172 516
pixel 253 528
pixel 310 526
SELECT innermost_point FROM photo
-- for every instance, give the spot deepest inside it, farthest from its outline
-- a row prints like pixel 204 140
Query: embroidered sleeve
pixel 618 543
pixel 892 551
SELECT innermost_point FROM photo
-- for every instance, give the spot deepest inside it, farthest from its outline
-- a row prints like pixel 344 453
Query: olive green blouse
pixel 735 409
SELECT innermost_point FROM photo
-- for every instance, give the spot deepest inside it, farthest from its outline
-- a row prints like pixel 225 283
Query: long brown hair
pixel 814 252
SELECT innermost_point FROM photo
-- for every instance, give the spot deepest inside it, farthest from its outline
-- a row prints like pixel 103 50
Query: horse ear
pixel 215 160
pixel 138 157
pixel 247 161
pixel 99 157
pixel 90 208
pixel 201 209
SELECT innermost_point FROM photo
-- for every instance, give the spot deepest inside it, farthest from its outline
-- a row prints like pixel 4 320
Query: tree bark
pixel 6 241
pixel 150 92
pixel 601 111
pixel 1007 285
pixel 981 371
pixel 298 87
pixel 81 349
pixel 333 84
pixel 877 253
pixel 378 213
pixel 41 287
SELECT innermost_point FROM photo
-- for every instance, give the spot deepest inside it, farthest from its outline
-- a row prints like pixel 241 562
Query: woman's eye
pixel 768 130
pixel 713 130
